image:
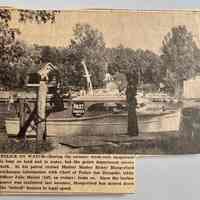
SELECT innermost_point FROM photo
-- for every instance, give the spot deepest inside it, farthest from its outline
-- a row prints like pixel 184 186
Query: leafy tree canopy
pixel 88 45
pixel 145 63
pixel 16 57
pixel 178 52
pixel 180 56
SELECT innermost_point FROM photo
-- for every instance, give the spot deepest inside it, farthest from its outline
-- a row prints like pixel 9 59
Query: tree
pixel 88 45
pixel 11 53
pixel 16 57
pixel 51 54
pixel 148 63
pixel 179 56
pixel 39 16
pixel 124 60
pixel 131 92
pixel 120 59
pixel 149 67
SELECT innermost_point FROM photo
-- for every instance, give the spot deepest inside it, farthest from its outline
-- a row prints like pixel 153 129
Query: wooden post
pixel 41 111
pixel 21 113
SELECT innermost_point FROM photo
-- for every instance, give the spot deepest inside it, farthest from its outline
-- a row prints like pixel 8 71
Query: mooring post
pixel 22 113
pixel 41 111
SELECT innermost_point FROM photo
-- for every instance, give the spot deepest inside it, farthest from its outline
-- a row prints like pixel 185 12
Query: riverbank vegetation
pixel 178 59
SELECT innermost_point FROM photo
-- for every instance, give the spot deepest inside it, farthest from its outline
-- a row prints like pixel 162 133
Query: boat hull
pixel 103 125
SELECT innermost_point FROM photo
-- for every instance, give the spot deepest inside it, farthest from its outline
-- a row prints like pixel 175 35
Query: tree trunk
pixel 132 102
pixel 132 119
pixel 26 124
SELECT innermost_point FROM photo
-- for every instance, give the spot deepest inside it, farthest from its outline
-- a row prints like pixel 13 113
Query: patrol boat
pixel 104 112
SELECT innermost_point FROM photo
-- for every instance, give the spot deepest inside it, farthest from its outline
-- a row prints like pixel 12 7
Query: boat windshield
pixel 102 107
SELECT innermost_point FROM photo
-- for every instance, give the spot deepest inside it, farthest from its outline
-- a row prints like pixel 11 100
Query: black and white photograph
pixel 99 82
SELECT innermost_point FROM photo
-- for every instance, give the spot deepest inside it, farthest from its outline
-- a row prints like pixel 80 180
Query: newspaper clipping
pixel 83 91
pixel 71 173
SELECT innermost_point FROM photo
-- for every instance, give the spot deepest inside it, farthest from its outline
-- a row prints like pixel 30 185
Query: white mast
pixel 87 75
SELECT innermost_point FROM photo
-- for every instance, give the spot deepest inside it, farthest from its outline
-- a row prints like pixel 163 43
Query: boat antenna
pixel 87 76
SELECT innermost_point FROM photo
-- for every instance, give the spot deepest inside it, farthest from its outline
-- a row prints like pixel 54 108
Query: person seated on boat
pixel 10 102
pixel 108 78
pixel 82 92
pixel 110 106
pixel 56 102
pixel 68 94
pixel 163 108
pixel 112 89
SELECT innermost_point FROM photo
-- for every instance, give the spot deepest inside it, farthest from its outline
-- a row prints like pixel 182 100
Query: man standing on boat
pixel 10 102
pixel 131 93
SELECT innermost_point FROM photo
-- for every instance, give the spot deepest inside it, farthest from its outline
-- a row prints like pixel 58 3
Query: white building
pixel 191 88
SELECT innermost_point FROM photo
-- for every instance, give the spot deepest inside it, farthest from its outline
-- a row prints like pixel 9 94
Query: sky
pixel 145 32
pixel 123 4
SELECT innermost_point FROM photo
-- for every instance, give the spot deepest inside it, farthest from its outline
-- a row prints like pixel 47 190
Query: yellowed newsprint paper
pixel 83 91
pixel 70 173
